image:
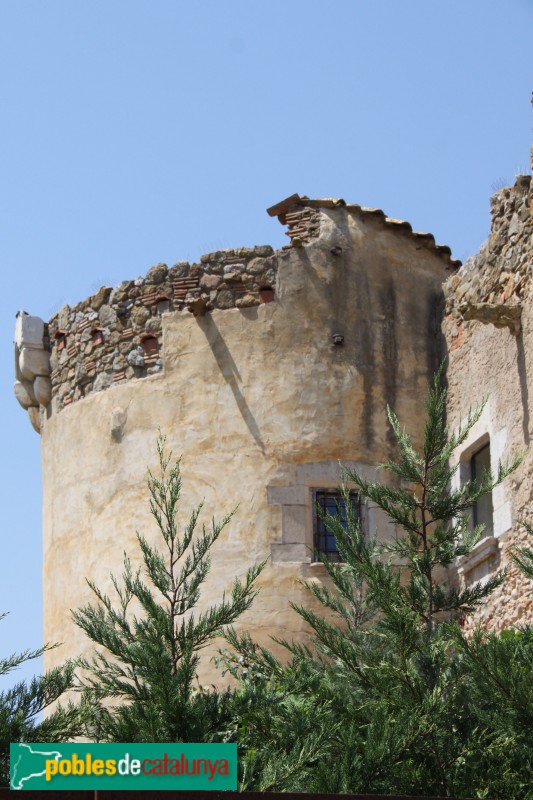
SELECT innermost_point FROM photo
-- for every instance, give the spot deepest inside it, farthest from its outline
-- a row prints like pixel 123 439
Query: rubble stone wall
pixel 489 286
pixel 489 333
pixel 116 334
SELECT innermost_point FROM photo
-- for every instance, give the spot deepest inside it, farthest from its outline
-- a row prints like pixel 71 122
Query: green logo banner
pixel 210 767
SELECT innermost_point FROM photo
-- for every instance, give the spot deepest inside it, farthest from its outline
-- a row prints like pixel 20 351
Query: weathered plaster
pixel 489 357
pixel 261 404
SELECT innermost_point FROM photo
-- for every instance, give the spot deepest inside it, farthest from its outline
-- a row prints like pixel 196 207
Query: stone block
pixel 107 315
pixel 29 331
pixel 34 362
pixel 157 273
pixel 502 519
pixel 101 297
pixel 294 524
pixel 256 266
pixel 288 495
pixel 330 472
pixel 24 394
pixel 225 299
pixel 246 301
pixel 209 282
pixel 136 357
pixel 290 552
pixel 42 389
pixel 103 381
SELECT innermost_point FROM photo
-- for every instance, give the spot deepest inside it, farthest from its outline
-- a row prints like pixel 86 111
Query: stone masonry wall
pixel 262 402
pixel 489 333
pixel 493 282
pixel 115 335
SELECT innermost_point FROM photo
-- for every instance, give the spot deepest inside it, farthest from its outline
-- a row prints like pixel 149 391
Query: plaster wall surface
pixel 262 406
pixel 489 332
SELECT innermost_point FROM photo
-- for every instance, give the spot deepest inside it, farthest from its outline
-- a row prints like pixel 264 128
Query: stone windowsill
pixel 482 551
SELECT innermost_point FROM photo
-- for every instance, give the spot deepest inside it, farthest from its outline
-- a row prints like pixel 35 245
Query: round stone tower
pixel 264 369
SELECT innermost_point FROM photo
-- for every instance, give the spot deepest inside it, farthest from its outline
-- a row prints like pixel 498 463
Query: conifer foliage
pixel 404 702
pixel 523 556
pixel 142 678
pixel 432 516
pixel 22 705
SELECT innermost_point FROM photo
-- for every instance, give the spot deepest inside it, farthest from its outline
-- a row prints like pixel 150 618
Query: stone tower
pixel 265 369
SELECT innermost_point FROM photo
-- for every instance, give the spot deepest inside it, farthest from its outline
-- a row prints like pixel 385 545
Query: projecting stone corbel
pixel 32 366
pixel 198 306
pixel 501 316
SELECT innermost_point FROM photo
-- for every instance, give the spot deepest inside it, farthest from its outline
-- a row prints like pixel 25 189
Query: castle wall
pixel 489 332
pixel 256 397
pixel 116 335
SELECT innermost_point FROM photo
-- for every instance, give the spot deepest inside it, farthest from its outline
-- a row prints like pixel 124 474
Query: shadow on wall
pixel 524 394
pixel 231 374
pixel 349 314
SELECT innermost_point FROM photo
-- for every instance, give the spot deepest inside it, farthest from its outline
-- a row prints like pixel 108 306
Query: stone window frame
pixel 486 554
pixel 295 499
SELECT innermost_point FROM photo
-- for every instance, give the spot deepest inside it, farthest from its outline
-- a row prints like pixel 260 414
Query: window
pixel 482 509
pixel 150 345
pixel 163 304
pixel 331 502
pixel 61 339
pixel 97 336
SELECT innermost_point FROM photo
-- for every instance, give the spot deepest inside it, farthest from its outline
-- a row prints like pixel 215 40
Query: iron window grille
pixel 332 503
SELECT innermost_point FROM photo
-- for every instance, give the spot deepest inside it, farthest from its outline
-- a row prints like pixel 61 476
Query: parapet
pixel 490 286
pixel 300 214
pixel 116 334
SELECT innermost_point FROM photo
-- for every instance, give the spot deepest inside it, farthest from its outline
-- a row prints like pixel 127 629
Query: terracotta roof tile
pixel 285 210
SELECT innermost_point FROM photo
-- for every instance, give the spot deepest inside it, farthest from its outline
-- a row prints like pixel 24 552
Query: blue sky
pixel 138 132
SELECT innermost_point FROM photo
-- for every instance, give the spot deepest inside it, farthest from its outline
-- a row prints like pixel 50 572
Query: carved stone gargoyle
pixel 32 366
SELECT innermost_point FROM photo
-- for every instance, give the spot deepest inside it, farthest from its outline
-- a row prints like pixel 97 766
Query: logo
pixel 211 767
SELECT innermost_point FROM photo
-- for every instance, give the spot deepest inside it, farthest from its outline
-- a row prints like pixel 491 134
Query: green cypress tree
pixel 500 687
pixel 142 677
pixel 22 705
pixel 393 689
pixel 412 723
pixel 432 520
pixel 434 517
